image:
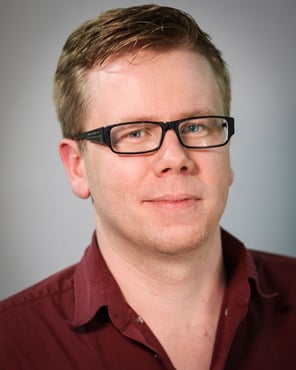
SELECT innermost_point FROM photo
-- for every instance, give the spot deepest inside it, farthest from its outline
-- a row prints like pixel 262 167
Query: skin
pixel 157 215
pixel 170 201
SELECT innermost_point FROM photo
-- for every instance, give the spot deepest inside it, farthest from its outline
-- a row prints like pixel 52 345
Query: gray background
pixel 44 227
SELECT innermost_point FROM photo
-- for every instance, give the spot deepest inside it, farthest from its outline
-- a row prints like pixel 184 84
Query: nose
pixel 172 157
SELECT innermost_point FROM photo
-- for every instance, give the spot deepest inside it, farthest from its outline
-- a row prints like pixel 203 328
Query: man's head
pixel 171 199
pixel 125 31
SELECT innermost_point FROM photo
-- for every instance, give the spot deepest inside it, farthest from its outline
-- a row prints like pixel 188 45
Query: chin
pixel 174 245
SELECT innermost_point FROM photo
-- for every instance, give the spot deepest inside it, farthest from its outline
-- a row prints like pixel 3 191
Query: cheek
pixel 113 177
pixel 228 170
pixel 231 177
pixel 217 170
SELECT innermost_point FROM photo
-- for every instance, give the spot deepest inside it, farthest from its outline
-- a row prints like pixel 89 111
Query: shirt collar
pixel 95 286
pixel 240 266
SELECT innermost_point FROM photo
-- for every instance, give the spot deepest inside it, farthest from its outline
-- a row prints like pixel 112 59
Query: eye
pixel 131 133
pixel 191 128
pixel 136 134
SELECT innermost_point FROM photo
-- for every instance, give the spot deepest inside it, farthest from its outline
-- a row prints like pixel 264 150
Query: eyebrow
pixel 193 113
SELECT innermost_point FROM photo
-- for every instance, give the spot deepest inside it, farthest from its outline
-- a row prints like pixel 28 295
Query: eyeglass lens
pixel 146 136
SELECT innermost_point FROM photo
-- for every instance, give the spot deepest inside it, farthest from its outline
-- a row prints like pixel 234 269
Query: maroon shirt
pixel 78 319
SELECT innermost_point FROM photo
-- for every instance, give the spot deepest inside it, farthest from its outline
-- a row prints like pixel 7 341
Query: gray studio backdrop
pixel 44 227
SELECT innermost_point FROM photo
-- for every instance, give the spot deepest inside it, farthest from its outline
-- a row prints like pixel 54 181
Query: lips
pixel 179 201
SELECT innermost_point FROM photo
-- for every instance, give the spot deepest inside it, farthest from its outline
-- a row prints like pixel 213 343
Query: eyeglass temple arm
pixel 96 136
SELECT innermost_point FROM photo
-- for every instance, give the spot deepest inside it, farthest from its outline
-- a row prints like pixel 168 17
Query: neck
pixel 189 283
pixel 178 296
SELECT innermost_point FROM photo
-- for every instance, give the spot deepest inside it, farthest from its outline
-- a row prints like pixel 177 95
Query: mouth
pixel 182 201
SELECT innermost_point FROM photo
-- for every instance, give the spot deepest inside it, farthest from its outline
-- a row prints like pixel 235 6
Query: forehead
pixel 152 85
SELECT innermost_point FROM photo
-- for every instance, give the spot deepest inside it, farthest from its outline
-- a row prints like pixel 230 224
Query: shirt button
pixel 140 320
pixel 226 312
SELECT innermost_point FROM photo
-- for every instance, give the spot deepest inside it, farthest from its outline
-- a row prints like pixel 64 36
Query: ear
pixel 74 164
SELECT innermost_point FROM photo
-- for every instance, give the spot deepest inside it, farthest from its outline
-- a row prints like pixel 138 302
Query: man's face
pixel 171 200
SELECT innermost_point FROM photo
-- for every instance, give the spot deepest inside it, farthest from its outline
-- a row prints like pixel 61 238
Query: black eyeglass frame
pixel 101 135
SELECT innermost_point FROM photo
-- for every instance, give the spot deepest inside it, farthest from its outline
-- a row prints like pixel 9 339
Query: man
pixel 143 98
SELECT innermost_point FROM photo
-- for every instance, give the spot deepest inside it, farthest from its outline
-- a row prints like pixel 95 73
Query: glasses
pixel 144 137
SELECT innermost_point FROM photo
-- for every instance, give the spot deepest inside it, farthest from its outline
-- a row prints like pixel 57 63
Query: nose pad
pixel 172 129
pixel 172 155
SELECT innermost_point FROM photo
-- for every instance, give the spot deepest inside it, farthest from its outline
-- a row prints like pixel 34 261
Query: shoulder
pixel 41 293
pixel 273 273
pixel 36 317
pixel 276 273
pixel 274 264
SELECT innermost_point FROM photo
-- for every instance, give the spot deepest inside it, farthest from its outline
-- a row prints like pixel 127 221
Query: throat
pixel 185 313
pixel 191 280
pixel 187 330
pixel 186 296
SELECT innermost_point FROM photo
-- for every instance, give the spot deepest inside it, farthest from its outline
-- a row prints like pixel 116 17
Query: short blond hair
pixel 120 31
